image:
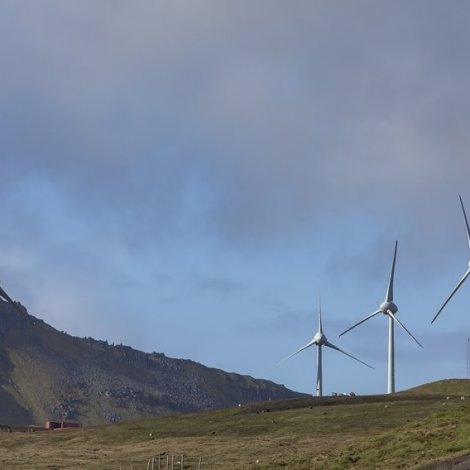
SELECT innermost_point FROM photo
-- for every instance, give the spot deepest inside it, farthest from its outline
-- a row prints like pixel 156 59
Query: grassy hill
pixel 405 430
pixel 444 387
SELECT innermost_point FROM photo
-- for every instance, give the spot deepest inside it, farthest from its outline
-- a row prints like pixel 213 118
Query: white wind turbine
pixel 6 298
pixel 388 308
pixel 320 340
pixel 468 270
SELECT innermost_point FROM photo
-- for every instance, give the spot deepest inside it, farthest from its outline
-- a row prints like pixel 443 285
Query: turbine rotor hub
pixel 319 339
pixel 386 307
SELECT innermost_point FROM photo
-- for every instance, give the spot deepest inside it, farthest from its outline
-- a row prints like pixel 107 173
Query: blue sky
pixel 186 177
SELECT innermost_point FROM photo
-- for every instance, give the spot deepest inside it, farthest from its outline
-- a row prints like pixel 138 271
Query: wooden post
pixel 153 463
pixel 182 462
pixel 199 465
pixel 172 461
pixel 167 462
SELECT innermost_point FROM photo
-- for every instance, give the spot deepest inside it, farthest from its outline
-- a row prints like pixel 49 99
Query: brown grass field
pixel 409 430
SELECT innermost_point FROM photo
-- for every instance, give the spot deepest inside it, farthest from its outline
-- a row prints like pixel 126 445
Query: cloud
pixel 140 110
pixel 167 152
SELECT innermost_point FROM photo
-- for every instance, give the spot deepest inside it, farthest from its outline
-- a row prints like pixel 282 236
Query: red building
pixel 61 424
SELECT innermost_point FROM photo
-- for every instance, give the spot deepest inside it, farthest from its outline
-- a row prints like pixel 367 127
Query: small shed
pixel 62 424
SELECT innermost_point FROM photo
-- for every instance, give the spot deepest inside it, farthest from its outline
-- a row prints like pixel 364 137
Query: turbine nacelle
pixel 319 339
pixel 387 307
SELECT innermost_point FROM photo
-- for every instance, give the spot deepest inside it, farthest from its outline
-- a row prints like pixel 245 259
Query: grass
pixel 406 430
pixel 444 387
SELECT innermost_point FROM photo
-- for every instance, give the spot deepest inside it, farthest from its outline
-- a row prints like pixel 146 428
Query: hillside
pixel 444 387
pixel 47 374
pixel 405 430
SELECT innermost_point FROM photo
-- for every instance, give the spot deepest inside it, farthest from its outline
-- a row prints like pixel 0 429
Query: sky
pixel 191 177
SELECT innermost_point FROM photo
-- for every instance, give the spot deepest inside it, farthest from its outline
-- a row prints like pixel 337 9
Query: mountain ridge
pixel 47 374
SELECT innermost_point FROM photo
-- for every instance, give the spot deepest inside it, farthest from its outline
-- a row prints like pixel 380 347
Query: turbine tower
pixel 468 270
pixel 320 340
pixel 388 308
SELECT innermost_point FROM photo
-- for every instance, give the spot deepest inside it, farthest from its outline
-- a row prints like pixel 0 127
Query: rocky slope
pixel 47 374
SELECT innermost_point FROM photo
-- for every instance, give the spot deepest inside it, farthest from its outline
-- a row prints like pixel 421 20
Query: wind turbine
pixel 468 270
pixel 6 298
pixel 388 308
pixel 320 340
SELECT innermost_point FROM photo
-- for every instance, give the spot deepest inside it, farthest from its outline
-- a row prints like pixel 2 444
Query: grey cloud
pixel 275 117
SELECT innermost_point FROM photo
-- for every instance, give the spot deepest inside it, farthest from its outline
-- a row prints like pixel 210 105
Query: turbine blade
pixel 466 221
pixel 311 343
pixel 404 327
pixel 389 295
pixel 5 296
pixel 320 327
pixel 362 321
pixel 452 294
pixel 330 345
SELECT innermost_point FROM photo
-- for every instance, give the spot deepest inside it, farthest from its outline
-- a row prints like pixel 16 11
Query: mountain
pixel 46 374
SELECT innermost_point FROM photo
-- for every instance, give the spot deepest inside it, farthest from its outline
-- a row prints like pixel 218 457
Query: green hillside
pixel 404 430
pixel 444 387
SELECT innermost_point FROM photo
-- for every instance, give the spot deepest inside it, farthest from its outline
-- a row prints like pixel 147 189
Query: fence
pixel 169 462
